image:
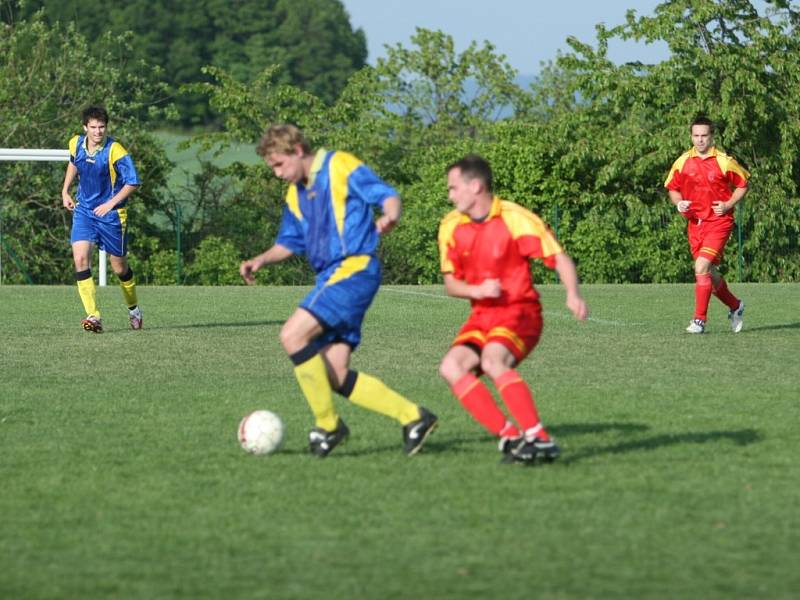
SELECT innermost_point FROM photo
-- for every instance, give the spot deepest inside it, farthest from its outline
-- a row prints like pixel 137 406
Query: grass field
pixel 186 161
pixel 122 476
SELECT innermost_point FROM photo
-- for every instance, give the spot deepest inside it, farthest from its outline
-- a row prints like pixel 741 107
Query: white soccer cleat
pixel 736 317
pixel 696 326
pixel 135 317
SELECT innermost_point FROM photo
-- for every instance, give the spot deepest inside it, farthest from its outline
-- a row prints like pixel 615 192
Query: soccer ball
pixel 261 432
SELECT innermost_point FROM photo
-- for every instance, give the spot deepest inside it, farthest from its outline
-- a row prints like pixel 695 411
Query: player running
pixel 106 179
pixel 705 185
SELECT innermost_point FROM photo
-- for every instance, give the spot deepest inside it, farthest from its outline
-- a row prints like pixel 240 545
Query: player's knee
pixel 451 369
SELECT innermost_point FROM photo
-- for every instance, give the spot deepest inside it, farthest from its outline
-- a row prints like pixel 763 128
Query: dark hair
pixel 702 120
pixel 473 166
pixel 95 112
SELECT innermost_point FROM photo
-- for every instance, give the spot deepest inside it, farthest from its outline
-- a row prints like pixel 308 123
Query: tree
pixel 44 85
pixel 312 40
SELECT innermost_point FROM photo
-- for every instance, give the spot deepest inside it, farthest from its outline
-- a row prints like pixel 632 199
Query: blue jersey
pixel 101 174
pixel 331 217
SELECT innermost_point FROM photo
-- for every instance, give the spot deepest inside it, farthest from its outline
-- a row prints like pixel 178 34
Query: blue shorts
pixel 109 233
pixel 341 297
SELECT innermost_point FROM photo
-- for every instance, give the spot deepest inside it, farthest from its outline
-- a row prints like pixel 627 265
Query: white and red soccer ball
pixel 261 432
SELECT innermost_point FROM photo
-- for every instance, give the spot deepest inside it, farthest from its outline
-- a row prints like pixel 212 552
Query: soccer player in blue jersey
pixel 328 218
pixel 106 179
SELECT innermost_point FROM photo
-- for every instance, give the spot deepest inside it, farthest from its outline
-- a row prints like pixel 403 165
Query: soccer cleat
pixel 93 324
pixel 136 318
pixel 696 326
pixel 416 432
pixel 506 444
pixel 322 442
pixel 736 317
pixel 530 453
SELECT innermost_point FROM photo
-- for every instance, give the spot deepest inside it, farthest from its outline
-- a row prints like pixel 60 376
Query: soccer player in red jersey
pixel 705 185
pixel 485 247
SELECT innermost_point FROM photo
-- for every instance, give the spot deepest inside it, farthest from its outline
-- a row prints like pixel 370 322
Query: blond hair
pixel 282 139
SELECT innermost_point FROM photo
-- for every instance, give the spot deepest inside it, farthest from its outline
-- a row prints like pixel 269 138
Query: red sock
pixel 477 399
pixel 517 396
pixel 702 295
pixel 724 294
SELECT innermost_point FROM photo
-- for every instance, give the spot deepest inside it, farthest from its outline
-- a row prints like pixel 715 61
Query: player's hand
pixel 246 270
pixel 578 307
pixel 104 208
pixel 683 206
pixel 488 288
pixel 719 208
pixel 385 224
pixel 68 203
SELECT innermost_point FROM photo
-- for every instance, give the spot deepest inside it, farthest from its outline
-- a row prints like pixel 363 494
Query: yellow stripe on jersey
pixel 728 164
pixel 509 335
pixel 114 154
pixel 123 218
pixel 708 250
pixel 521 222
pixel 448 225
pixel 73 146
pixel 293 202
pixel 677 166
pixel 349 266
pixel 467 335
pixel 341 167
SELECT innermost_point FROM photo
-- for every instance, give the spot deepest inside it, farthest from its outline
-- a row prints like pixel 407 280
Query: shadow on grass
pixel 742 437
pixel 213 325
pixel 775 326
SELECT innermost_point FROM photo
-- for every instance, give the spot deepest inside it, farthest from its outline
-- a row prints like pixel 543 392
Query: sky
pixel 528 32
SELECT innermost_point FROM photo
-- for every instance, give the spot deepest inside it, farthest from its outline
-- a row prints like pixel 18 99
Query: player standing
pixel 485 247
pixel 328 217
pixel 106 179
pixel 705 185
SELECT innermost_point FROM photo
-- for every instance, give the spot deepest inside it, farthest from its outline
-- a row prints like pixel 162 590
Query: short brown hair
pixel 94 112
pixel 282 139
pixel 473 166
pixel 702 120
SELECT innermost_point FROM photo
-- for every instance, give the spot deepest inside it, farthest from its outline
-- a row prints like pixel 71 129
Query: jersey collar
pixel 711 153
pixel 319 158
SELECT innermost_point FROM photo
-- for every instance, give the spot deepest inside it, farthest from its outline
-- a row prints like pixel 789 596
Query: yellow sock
pixel 370 392
pixel 313 379
pixel 129 292
pixel 88 294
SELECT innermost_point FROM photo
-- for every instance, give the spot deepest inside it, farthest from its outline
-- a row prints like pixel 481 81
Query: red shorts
pixel 516 326
pixel 708 238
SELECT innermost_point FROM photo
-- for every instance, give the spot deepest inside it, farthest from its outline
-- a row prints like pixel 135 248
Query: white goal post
pixel 36 154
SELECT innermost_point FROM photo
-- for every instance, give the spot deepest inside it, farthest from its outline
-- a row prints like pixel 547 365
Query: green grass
pixel 122 477
pixel 186 161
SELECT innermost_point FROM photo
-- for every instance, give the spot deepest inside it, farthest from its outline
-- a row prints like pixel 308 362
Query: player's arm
pixel 392 207
pixel 677 199
pixel 569 277
pixel 275 254
pixel 722 207
pixel 109 205
pixel 488 288
pixel 69 177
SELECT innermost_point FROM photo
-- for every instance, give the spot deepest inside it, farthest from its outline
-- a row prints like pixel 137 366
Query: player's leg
pixel 127 283
pixel 113 234
pixel 341 304
pixel 702 294
pixel 716 240
pixel 298 337
pixel 83 239
pixel 458 369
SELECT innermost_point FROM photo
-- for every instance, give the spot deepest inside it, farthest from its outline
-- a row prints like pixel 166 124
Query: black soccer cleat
pixel 322 442
pixel 416 432
pixel 531 453
pixel 507 444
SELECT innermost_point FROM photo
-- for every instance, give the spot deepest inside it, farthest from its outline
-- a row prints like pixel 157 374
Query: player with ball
pixel 328 218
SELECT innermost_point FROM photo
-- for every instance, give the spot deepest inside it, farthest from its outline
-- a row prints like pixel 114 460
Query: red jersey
pixel 499 247
pixel 706 180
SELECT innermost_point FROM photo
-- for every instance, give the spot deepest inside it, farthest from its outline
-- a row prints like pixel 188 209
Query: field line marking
pixel 547 313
